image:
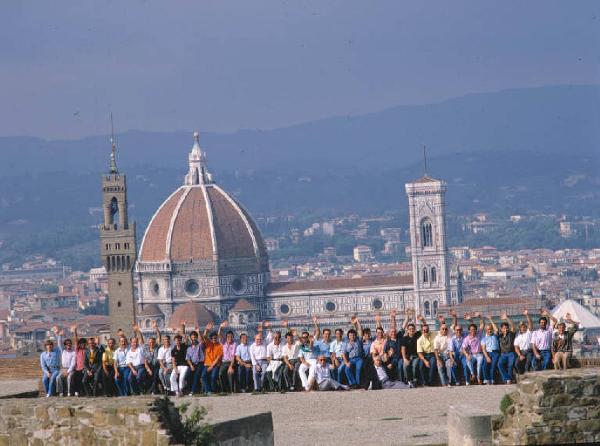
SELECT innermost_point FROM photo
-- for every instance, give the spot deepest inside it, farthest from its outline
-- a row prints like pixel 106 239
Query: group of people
pixel 214 361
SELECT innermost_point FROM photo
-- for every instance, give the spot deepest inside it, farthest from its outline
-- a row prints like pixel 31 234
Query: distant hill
pixel 553 120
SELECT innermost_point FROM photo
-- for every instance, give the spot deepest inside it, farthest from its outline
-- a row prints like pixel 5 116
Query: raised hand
pixel 452 312
pixel 266 324
pixel 378 317
pixel 467 316
pixel 525 312
pixel 284 323
pixel 154 325
pixel 61 333
pixel 393 313
pixel 354 319
pixel 135 328
pixel 55 329
pixel 477 314
pixel 314 318
pixel 210 326
pixel 73 328
pixel 504 316
pixel 420 317
pixel 224 324
pixel 543 312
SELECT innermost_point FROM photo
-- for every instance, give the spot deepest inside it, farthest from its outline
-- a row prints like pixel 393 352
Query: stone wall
pixel 552 407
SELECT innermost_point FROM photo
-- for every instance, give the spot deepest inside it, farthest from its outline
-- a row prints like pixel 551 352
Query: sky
pixel 229 65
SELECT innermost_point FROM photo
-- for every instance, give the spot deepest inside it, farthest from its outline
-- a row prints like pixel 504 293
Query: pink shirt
pixel 542 339
pixel 229 351
pixel 79 358
pixel 472 345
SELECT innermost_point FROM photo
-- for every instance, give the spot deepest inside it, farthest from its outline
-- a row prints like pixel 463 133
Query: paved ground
pixel 383 417
pixel 18 387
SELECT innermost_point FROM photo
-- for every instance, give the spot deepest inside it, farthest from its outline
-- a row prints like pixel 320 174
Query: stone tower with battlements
pixel 118 248
pixel 429 251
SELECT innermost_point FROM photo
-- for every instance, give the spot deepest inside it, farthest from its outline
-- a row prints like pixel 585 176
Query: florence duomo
pixel 203 259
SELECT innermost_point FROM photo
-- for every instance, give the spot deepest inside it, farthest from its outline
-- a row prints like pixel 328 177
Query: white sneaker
pixel 345 387
pixel 370 386
pixel 191 394
pixel 76 393
pixel 68 394
pixel 47 395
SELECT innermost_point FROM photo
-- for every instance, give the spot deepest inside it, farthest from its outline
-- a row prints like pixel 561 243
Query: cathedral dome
pixel 201 222
pixel 193 315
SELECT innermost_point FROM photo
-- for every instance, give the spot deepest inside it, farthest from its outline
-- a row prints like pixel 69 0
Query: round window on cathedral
pixel 330 306
pixel 155 288
pixel 377 304
pixel 192 287
pixel 238 285
pixel 284 309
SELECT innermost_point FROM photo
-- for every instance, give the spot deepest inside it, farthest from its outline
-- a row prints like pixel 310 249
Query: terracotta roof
pixel 243 305
pixel 334 284
pixel 184 220
pixel 192 314
pixel 150 310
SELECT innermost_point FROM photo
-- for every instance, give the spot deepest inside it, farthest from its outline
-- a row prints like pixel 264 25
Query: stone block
pixel 592 426
pixel 576 413
pixel 467 426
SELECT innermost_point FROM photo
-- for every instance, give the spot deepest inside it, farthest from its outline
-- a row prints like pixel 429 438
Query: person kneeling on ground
pixel 323 376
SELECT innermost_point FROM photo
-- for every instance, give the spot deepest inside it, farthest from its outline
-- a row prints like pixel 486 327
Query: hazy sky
pixel 226 65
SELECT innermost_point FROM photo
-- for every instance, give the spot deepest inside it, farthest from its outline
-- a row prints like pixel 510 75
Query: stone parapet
pixel 552 407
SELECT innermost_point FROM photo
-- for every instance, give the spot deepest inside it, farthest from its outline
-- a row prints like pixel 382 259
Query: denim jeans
pixel 209 379
pixel 489 368
pixel 410 369
pixel 524 365
pixel 196 375
pixel 505 365
pixel 244 377
pixel 122 381
pixel 353 378
pixel 545 360
pixel 445 371
pixel 136 383
pixel 259 376
pixel 50 381
pixel 428 374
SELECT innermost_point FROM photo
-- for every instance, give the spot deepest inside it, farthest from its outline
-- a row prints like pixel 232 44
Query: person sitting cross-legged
pixel 323 377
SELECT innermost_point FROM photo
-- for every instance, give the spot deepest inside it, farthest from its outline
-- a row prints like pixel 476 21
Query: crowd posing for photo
pixel 212 361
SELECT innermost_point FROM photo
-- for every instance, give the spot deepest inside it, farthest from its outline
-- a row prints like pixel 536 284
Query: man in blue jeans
pixel 352 356
pixel 194 356
pixel 426 353
pixel 409 354
pixel 507 349
pixel 50 361
pixel 490 347
pixel 541 342
pixel 456 358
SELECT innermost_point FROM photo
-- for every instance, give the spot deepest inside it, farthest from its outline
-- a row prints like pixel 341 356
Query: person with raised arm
pixel 378 345
pixel 490 347
pixel 393 345
pixel 353 358
pixel 410 358
pixel 440 350
pixel 194 357
pixel 244 361
pixel 213 356
pixel 152 364
pixel 227 368
pixel 64 380
pixel 523 351
pixel 366 340
pixel 541 341
pixel 322 340
pixel 290 353
pixel 507 348
pixel 308 359
pixel 562 344
pixel 136 363
pixel 180 366
pixel 471 348
pixel 80 349
pixel 336 349
pixel 276 365
pixel 50 362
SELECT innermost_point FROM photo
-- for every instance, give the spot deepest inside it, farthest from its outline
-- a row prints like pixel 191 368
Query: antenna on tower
pixel 113 154
pixel 425 159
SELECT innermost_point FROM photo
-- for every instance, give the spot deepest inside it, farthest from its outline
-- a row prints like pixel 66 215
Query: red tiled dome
pixel 193 315
pixel 201 222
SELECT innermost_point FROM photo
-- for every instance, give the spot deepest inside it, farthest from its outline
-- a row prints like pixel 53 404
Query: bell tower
pixel 118 248
pixel 429 251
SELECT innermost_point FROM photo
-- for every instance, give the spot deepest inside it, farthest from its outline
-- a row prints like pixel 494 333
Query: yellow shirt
pixel 425 343
pixel 108 357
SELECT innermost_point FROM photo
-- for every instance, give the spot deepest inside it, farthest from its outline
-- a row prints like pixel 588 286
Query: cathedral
pixel 203 259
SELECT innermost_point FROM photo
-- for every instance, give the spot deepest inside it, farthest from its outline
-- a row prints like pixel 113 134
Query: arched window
pixel 114 210
pixel 427 309
pixel 433 275
pixel 148 323
pixel 435 307
pixel 425 276
pixel 426 233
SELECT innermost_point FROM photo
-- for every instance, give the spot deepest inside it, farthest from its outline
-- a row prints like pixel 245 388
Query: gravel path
pixel 383 417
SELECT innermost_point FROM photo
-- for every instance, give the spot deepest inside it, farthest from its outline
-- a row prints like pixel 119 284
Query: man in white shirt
pixel 323 376
pixel 384 379
pixel 541 342
pixel 67 369
pixel 121 369
pixel 337 348
pixel 440 345
pixel 290 353
pixel 166 364
pixel 308 360
pixel 136 362
pixel 523 345
pixel 242 357
pixel 258 356
pixel 276 365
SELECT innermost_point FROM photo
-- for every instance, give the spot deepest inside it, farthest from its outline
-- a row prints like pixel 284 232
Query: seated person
pixel 384 381
pixel 323 377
